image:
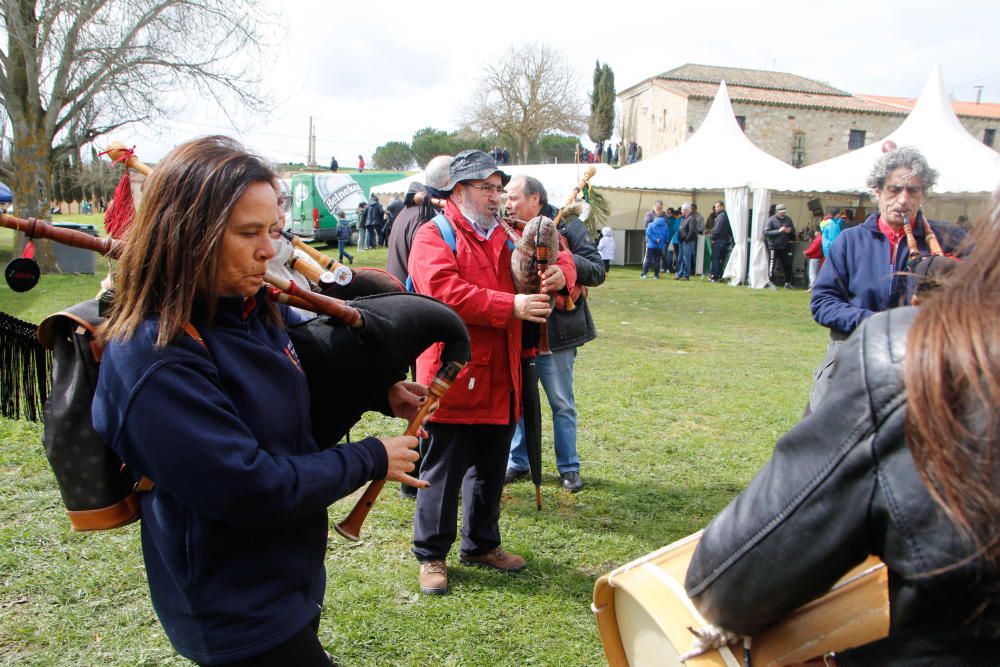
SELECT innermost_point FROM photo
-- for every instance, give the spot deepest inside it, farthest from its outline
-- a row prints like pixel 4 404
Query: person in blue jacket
pixel 200 391
pixel 865 269
pixel 669 256
pixel 656 240
pixel 830 229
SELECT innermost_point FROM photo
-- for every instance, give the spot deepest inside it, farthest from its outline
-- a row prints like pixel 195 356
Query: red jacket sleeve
pixel 564 260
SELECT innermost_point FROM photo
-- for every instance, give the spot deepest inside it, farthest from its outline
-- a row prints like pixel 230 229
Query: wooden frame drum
pixel 643 615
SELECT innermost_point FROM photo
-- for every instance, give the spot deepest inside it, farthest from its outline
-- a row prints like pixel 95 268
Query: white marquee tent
pixel 964 163
pixel 716 157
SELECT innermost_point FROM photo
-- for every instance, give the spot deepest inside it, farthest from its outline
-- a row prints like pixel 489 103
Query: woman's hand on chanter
pixel 402 454
pixel 406 399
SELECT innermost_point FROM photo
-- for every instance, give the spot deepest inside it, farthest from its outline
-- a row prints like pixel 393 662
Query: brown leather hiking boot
pixel 498 559
pixel 433 577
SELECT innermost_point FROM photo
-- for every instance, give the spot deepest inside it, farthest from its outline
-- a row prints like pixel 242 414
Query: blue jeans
pixel 687 259
pixel 370 238
pixel 556 373
pixel 341 245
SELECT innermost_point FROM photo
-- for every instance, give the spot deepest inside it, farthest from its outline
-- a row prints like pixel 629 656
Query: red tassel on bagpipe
pixel 118 218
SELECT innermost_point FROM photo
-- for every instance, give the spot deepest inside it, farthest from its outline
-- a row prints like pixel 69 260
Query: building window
pixel 856 140
pixel 742 122
pixel 989 134
pixel 798 149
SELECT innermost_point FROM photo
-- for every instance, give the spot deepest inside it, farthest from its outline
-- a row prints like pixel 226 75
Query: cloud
pixel 371 73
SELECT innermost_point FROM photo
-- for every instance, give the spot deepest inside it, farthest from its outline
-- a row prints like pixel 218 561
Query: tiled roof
pixel 842 102
pixel 974 109
pixel 750 78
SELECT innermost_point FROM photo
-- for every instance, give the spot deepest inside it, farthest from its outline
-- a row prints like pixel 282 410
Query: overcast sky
pixel 372 73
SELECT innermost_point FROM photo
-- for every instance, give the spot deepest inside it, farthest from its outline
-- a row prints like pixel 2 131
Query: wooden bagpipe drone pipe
pixel 371 340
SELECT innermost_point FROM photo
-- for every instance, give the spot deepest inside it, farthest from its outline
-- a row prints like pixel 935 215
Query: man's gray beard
pixel 484 220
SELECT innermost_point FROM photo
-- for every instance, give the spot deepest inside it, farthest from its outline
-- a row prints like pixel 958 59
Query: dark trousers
pixel 652 260
pixel 720 253
pixel 784 256
pixel 303 649
pixel 471 458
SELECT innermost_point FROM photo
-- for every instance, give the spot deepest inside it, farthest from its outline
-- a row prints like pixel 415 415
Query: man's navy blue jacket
pixel 858 279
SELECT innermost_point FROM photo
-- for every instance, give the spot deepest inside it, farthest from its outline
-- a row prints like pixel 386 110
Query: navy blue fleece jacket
pixel 859 278
pixel 234 533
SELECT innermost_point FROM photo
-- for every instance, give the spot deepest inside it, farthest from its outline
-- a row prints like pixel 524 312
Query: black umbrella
pixel 532 405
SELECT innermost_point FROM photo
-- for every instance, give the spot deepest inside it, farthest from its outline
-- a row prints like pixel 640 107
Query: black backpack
pixel 96 489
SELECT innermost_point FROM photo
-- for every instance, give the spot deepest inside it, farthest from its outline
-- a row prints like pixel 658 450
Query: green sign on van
pixel 316 198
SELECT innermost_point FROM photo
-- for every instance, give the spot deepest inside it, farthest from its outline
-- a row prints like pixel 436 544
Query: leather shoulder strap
pixel 191 331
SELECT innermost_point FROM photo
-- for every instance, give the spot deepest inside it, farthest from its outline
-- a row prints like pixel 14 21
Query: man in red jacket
pixel 469 434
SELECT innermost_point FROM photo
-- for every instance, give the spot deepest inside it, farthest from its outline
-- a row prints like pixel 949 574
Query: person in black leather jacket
pixel 910 412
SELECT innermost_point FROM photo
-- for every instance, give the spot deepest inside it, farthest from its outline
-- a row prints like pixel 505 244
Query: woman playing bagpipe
pixel 901 461
pixel 201 392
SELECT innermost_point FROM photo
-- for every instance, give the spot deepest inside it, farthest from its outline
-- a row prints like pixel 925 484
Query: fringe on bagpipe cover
pixel 25 369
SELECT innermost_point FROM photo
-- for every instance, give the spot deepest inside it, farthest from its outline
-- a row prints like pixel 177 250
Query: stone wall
pixel 826 132
pixel 654 118
pixel 978 126
pixel 659 119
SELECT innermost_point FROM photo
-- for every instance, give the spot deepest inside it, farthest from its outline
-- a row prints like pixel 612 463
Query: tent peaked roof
pixel 717 156
pixel 964 163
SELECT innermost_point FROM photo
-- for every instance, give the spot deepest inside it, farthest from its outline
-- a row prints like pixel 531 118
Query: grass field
pixel 680 399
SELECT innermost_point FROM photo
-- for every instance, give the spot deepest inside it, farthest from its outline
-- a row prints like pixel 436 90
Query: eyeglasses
pixel 486 188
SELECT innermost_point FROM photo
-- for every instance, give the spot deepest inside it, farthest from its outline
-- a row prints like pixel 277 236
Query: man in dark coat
pixel 568 330
pixel 375 219
pixel 722 241
pixel 412 215
pixel 779 233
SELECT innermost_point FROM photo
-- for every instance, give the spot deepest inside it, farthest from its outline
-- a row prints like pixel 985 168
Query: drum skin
pixel 644 615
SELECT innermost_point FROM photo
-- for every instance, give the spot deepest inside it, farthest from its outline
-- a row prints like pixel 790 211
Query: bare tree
pixel 73 70
pixel 531 91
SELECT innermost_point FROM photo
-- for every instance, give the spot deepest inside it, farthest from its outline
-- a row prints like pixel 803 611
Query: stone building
pixel 795 119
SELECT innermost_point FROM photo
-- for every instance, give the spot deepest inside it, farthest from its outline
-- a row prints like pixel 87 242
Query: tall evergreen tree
pixel 602 106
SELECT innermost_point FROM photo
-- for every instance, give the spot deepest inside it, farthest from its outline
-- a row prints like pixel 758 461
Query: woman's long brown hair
pixel 952 375
pixel 173 246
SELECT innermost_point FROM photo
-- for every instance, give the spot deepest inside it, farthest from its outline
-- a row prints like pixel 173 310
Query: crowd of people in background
pixel 623 154
pixel 375 222
pixel 500 154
